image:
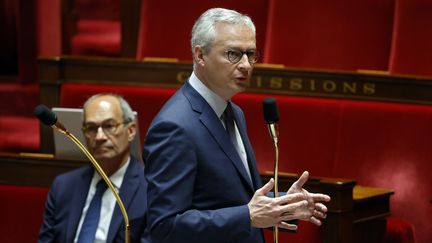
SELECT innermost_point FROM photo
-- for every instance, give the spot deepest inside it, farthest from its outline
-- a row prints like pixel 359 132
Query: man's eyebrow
pixel 106 120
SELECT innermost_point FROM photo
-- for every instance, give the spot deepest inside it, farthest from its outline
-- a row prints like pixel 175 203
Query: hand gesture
pixel 315 210
pixel 267 212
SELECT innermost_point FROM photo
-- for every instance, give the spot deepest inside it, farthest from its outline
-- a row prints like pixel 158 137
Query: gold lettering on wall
pixel 312 85
pixel 258 81
pixel 182 76
pixel 296 84
pixel 329 86
pixel 302 84
pixel 275 82
pixel 369 88
pixel 349 88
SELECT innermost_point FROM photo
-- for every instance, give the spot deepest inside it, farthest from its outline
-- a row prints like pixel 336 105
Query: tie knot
pixel 228 113
pixel 101 187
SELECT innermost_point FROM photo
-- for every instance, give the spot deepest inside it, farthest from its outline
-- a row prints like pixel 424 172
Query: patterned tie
pixel 230 128
pixel 91 220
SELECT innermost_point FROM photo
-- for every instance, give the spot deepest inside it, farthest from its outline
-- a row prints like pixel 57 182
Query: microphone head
pixel 45 115
pixel 271 112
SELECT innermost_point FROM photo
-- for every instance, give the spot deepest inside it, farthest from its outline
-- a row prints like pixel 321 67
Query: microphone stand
pixel 96 165
pixel 274 135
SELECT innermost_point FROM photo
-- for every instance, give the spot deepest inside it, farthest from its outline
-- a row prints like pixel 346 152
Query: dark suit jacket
pixel 198 188
pixel 67 197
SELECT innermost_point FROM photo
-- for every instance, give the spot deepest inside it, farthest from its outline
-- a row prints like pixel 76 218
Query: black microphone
pixel 271 116
pixel 49 118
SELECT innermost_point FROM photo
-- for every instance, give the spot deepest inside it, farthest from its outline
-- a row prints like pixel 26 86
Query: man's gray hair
pixel 204 31
pixel 128 114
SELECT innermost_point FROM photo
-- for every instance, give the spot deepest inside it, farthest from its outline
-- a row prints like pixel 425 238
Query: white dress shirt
pixel 108 203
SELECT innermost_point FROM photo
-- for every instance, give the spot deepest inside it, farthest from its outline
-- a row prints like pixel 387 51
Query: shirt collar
pixel 116 178
pixel 217 103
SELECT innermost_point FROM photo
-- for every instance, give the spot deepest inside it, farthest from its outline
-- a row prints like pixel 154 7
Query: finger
pixel 266 188
pixel 290 198
pixel 287 226
pixel 318 214
pixel 302 180
pixel 287 212
pixel 321 207
pixel 315 221
pixel 319 197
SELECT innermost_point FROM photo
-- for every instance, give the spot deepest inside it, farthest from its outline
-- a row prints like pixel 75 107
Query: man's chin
pixel 242 84
pixel 102 155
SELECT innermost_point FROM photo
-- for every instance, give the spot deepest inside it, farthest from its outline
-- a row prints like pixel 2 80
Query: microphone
pixel 49 118
pixel 271 116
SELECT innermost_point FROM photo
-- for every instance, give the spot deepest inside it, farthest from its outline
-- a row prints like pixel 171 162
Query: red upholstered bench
pixel 19 129
pixel 21 210
pixel 97 28
pixel 378 144
pixel 19 134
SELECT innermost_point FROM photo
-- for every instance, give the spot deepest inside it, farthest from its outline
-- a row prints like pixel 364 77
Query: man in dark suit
pixel 109 127
pixel 203 182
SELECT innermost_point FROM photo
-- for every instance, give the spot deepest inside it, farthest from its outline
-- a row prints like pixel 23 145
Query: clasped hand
pixel 296 204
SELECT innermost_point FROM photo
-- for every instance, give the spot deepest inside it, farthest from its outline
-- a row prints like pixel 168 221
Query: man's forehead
pixel 103 108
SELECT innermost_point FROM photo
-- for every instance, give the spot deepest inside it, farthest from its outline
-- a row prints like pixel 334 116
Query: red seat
pixel 378 144
pixel 19 129
pixel 399 231
pixel 338 34
pixel 95 28
pixel 22 209
pixel 97 38
pixel 412 38
pixel 165 30
pixel 19 134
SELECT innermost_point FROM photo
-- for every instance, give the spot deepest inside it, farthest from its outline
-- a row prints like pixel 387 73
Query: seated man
pixel 79 208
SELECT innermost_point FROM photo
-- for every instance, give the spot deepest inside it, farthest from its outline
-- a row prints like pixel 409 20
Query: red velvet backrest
pixel 97 9
pixel 330 34
pixel 48 27
pixel 388 145
pixel 412 38
pixel 165 28
pixel 305 125
pixel 22 209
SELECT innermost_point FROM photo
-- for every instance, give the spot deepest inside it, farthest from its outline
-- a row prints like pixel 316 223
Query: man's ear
pixel 198 55
pixel 131 131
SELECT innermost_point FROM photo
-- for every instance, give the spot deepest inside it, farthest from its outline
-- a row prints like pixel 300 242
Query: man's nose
pixel 100 134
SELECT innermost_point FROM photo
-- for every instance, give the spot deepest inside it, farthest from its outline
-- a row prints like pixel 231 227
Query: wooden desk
pixel 355 212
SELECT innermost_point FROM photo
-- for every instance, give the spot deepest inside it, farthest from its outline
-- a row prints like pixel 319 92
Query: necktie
pixel 230 128
pixel 91 220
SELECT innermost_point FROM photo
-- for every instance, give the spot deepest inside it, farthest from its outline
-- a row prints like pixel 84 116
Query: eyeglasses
pixel 234 56
pixel 109 127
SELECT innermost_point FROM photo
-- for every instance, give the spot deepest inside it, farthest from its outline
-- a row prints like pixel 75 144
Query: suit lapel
pixel 214 126
pixel 128 189
pixel 77 203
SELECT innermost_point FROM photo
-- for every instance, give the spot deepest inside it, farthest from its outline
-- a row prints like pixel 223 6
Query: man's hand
pixel 267 212
pixel 315 209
